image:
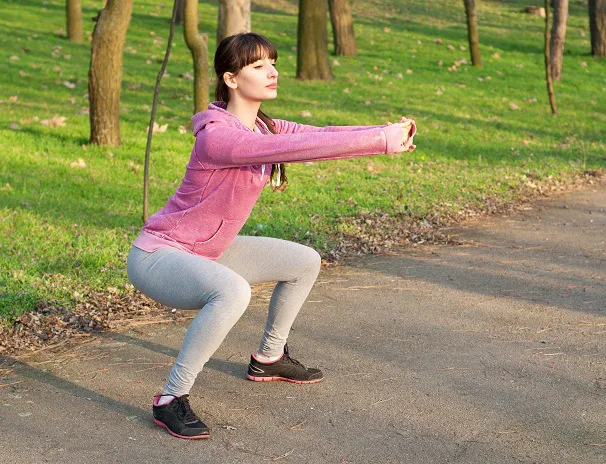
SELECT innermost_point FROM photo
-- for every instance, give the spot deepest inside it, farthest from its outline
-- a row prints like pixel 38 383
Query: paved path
pixel 494 352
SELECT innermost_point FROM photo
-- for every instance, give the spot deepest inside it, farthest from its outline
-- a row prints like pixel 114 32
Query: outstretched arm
pixel 221 146
pixel 289 127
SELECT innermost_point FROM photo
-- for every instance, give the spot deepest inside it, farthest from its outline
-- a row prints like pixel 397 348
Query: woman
pixel 189 254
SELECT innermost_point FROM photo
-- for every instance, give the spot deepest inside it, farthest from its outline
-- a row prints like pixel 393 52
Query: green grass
pixel 64 230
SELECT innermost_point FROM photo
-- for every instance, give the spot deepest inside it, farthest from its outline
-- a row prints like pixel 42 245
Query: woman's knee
pixel 235 291
pixel 311 260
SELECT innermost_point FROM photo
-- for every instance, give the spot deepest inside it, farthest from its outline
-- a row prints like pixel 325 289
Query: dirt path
pixel 494 352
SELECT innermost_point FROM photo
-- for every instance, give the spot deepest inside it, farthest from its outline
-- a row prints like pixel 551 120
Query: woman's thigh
pixel 266 259
pixel 182 280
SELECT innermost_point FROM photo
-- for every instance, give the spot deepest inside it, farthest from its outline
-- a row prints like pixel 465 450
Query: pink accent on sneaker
pixel 254 355
pixel 162 424
pixel 269 379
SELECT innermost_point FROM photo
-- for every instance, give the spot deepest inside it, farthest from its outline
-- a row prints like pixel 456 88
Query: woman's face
pixel 257 81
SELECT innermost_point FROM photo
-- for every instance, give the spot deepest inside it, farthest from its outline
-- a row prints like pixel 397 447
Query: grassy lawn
pixel 484 134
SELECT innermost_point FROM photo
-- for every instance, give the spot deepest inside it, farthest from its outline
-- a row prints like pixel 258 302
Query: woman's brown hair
pixel 234 53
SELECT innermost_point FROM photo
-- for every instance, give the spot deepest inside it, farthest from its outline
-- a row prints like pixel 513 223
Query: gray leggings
pixel 221 290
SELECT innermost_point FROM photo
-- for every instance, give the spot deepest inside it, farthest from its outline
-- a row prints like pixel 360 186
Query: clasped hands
pixel 410 129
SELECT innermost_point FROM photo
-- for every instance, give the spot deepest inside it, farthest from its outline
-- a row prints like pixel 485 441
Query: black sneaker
pixel 178 418
pixel 285 368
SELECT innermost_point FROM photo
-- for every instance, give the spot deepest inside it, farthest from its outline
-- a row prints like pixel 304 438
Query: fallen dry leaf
pixel 187 76
pixel 158 129
pixel 55 121
pixel 78 164
pixel 134 166
pixel 14 58
pixel 14 126
pixel 306 114
pixel 13 98
pixel 513 106
pixel 182 130
pixel 69 85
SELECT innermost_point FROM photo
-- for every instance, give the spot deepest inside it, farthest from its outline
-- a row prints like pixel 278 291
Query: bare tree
pixel 74 20
pixel 312 41
pixel 198 45
pixel 472 32
pixel 558 37
pixel 342 27
pixel 105 73
pixel 597 26
pixel 180 4
pixel 552 102
pixel 176 6
pixel 234 17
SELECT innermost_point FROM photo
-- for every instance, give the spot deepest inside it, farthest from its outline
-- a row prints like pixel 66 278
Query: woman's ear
pixel 230 80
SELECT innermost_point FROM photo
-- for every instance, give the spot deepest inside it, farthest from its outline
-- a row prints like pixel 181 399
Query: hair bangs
pixel 254 47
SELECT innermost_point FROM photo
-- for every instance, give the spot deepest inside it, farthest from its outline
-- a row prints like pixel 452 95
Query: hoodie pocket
pixel 220 240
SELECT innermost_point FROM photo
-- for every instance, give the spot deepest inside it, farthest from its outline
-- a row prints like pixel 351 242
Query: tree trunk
pixel 74 20
pixel 180 12
pixel 198 45
pixel 552 102
pixel 234 17
pixel 105 74
pixel 472 32
pixel 342 28
pixel 312 41
pixel 597 26
pixel 558 37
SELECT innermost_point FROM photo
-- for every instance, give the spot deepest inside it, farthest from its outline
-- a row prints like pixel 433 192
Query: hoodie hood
pixel 217 111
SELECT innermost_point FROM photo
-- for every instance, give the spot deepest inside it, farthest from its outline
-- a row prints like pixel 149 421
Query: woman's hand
pixel 410 129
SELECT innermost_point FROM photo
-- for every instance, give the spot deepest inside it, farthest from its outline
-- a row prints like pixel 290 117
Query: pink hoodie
pixel 230 165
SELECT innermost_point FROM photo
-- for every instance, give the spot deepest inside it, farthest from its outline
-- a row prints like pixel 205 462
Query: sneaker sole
pixel 196 437
pixel 270 379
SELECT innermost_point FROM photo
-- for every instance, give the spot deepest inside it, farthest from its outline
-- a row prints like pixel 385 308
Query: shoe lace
pixel 185 411
pixel 287 358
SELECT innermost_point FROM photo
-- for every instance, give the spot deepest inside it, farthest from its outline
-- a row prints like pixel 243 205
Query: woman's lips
pixel 272 86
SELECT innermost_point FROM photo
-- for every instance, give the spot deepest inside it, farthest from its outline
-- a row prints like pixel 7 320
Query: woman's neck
pixel 245 111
